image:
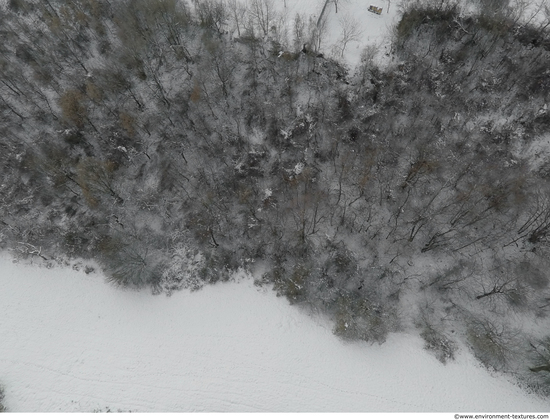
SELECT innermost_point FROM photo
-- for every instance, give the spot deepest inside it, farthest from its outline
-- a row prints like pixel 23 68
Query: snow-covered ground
pixel 373 29
pixel 70 342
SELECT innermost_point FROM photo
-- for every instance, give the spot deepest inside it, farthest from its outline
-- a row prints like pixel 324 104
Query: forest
pixel 177 142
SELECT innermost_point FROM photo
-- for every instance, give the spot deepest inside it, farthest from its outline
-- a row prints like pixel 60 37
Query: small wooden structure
pixel 374 9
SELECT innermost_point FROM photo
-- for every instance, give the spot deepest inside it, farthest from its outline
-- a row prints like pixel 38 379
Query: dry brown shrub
pixel 72 107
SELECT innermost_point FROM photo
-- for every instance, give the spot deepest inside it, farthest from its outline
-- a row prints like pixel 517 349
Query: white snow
pixel 375 29
pixel 70 342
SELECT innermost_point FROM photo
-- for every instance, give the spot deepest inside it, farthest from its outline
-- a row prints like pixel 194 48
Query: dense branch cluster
pixel 175 143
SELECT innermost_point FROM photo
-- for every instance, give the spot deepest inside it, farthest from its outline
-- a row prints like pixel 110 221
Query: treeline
pixel 177 142
pixel 2 395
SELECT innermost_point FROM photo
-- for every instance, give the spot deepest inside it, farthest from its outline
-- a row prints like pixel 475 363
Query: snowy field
pixel 70 342
pixel 373 29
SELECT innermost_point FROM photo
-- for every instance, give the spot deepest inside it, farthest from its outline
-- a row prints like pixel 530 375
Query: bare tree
pixel 520 9
pixel 95 178
pixel 541 355
pixel 351 31
pixel 212 13
pixel 337 2
pixel 2 407
pixel 318 33
pixel 322 15
pixel 546 21
pixel 236 14
pixel 298 31
pixel 263 14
